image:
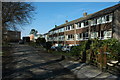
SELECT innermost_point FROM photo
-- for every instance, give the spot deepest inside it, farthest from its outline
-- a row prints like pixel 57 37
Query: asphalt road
pixel 24 62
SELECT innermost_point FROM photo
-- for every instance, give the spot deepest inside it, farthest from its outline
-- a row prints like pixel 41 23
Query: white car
pixel 67 48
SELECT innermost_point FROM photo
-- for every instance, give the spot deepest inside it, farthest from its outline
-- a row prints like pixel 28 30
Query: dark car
pixel 59 48
pixel 21 42
pixel 54 48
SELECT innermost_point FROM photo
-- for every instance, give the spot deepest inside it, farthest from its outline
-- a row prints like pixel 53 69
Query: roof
pixel 106 11
pixel 72 22
pixel 90 16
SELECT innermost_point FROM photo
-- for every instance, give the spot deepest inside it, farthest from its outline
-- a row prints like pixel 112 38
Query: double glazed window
pixel 78 25
pixel 85 35
pixel 69 27
pixel 107 34
pixel 85 23
pixel 72 26
pixel 61 38
pixel 94 35
pixel 79 36
pixel 70 37
pixel 61 30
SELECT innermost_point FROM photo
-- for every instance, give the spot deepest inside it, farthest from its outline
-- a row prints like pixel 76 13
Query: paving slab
pixel 83 70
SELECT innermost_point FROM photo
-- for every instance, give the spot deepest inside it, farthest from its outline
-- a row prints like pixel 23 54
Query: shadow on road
pixel 53 73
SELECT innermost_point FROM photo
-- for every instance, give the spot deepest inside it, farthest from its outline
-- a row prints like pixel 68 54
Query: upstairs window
pixel 79 24
pixel 99 20
pixel 85 23
pixel 92 22
pixel 72 26
pixel 107 18
pixel 68 27
pixel 82 24
pixel 110 17
pixel 95 21
pixel 103 19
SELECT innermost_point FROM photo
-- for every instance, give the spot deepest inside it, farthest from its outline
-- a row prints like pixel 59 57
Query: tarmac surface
pixel 25 62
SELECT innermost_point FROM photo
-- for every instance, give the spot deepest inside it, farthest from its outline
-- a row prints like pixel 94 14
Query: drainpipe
pixel 74 34
pixel 89 30
pixel 112 24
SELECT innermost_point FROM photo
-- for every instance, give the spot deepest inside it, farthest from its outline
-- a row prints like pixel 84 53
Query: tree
pixel 14 13
pixel 34 32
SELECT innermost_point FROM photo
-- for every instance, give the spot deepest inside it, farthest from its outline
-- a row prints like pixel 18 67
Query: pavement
pixel 28 62
pixel 87 72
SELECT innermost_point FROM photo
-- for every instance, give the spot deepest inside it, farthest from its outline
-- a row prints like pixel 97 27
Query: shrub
pixel 80 50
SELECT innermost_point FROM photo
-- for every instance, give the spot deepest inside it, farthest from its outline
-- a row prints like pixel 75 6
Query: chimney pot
pixel 66 21
pixel 85 14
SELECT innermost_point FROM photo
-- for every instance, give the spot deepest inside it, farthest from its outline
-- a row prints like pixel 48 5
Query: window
pixel 102 34
pixel 72 26
pixel 82 24
pixel 99 20
pixel 65 28
pixel 95 21
pixel 103 19
pixel 107 18
pixel 68 28
pixel 110 17
pixel 79 24
pixel 79 36
pixel 85 23
pixel 107 34
pixel 92 22
pixel 85 35
pixel 61 30
pixel 70 37
pixel 94 34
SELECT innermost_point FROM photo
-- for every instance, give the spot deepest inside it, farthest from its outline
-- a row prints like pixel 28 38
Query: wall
pixel 116 24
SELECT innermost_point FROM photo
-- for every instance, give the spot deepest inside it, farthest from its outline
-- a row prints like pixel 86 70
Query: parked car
pixel 59 48
pixel 54 48
pixel 21 42
pixel 67 48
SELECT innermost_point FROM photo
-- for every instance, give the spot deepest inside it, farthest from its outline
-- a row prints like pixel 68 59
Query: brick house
pixel 103 24
pixel 11 36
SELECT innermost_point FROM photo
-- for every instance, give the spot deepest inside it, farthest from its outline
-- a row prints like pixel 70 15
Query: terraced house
pixel 103 24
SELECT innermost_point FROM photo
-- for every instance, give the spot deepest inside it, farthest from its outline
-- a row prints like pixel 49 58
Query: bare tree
pixel 14 13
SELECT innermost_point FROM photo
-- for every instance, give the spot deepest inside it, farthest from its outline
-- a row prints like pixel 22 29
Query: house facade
pixel 11 36
pixel 103 24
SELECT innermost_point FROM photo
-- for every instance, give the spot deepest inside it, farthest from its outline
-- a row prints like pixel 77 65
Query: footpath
pixel 87 72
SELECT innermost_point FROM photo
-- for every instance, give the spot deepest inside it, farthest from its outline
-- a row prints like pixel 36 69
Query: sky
pixel 49 14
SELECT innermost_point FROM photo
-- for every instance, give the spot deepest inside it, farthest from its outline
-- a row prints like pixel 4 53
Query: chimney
pixel 66 21
pixel 85 14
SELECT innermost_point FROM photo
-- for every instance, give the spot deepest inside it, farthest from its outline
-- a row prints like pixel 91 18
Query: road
pixel 26 62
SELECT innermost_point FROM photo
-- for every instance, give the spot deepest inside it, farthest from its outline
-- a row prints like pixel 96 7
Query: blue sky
pixel 49 14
